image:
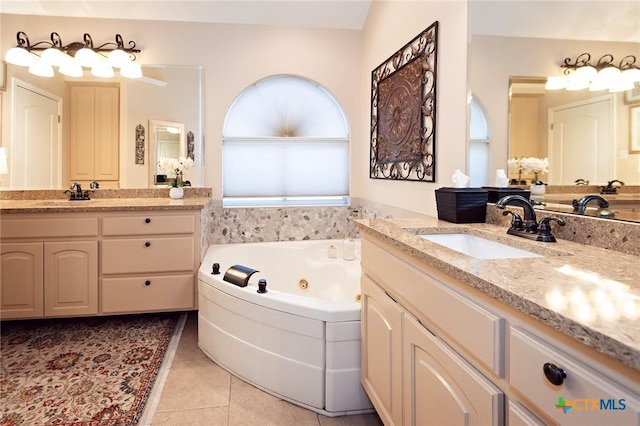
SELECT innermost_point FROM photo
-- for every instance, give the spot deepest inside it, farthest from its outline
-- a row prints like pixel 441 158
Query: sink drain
pixel 303 284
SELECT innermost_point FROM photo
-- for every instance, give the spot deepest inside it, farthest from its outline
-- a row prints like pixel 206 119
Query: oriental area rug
pixel 97 371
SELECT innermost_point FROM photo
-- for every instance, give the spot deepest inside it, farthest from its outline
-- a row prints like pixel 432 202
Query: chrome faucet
pixel 77 188
pixel 76 193
pixel 527 227
pixel 610 188
pixel 579 206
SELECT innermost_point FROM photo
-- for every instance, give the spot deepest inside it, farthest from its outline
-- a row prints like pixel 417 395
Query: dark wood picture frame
pixel 403 112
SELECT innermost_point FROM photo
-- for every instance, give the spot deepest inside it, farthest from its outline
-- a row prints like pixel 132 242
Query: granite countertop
pixel 101 205
pixel 584 292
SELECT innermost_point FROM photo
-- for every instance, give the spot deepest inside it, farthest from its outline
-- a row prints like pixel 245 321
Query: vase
pixel 176 192
pixel 537 189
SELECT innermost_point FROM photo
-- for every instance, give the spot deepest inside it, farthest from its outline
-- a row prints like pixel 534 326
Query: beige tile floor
pixel 199 392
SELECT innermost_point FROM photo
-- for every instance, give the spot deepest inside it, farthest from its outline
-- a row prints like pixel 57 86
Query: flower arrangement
pixel 534 165
pixel 515 166
pixel 176 166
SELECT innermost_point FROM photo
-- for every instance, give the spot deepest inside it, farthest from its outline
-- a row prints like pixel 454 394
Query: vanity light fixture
pixel 70 59
pixel 604 75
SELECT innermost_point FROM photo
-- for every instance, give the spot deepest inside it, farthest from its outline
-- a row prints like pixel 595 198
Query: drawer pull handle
pixel 147 220
pixel 147 282
pixel 147 244
pixel 554 374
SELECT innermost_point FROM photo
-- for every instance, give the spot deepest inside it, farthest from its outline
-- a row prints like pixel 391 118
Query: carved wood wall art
pixel 403 111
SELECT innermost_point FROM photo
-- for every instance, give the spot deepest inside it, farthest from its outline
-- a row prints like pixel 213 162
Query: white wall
pixel 389 26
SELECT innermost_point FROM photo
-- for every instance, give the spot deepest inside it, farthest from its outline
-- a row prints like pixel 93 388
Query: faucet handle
pixel 544 232
pixel 516 220
pixel 94 185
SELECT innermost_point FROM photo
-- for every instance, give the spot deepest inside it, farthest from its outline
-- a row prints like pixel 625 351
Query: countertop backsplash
pixel 615 235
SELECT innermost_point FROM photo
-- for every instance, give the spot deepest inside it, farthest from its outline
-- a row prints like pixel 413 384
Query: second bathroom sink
pixel 478 247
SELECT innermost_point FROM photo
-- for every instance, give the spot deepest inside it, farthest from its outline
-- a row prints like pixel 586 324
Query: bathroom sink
pixel 478 247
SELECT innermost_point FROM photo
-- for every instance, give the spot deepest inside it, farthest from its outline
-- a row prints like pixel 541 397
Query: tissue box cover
pixel 462 205
pixel 496 193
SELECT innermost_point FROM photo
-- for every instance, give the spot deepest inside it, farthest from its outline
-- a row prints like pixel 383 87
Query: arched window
pixel 285 142
pixel 478 145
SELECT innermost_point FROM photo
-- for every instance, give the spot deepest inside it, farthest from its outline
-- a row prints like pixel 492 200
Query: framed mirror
pixel 170 92
pixel 167 140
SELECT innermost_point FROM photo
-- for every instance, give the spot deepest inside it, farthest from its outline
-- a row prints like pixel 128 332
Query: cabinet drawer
pixel 153 293
pixel 140 255
pixel 471 326
pixel 148 225
pixel 593 398
pixel 50 227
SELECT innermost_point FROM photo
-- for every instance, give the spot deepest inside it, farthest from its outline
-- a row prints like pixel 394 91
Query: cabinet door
pixel 71 278
pixel 94 134
pixel 107 133
pixel 440 387
pixel 21 285
pixel 381 354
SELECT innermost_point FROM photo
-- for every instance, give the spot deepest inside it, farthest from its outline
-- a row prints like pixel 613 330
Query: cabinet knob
pixel 147 282
pixel 147 244
pixel 147 220
pixel 554 374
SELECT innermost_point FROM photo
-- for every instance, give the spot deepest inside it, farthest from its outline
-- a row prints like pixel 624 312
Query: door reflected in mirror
pixel 573 129
pixel 167 141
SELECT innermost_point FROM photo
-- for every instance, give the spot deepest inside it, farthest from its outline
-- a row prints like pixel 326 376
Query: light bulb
pixel 20 56
pixel 577 83
pixel 118 58
pixel 556 83
pixel 620 84
pixel 631 74
pixel 102 69
pixel 587 72
pixel 71 69
pixel 604 78
pixel 55 57
pixel 86 57
pixel 41 69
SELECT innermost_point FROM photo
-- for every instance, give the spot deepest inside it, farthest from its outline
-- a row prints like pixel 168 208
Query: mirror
pixel 522 42
pixel 167 93
pixel 167 140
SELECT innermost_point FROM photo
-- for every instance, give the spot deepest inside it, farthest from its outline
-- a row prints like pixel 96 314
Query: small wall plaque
pixel 140 138
pixel 191 146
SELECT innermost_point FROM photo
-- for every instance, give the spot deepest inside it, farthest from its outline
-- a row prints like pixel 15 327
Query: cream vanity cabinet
pixel 49 266
pixel 410 373
pixel 149 261
pixel 83 264
pixel 435 352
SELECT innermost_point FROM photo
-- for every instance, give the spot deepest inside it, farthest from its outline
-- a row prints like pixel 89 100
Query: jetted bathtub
pixel 299 341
